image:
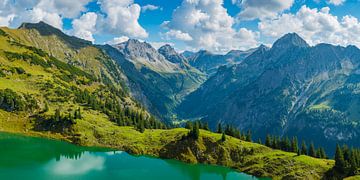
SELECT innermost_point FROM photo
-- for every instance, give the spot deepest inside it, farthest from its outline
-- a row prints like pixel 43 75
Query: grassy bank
pixel 96 130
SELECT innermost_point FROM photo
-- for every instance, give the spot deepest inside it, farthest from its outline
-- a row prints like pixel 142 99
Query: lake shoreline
pixel 190 151
pixel 68 161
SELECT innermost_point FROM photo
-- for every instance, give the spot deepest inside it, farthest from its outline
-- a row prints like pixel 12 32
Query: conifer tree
pixel 323 153
pixel 223 137
pixel 294 145
pixel 339 159
pixel 188 125
pixel 268 141
pixel 303 148
pixel 219 128
pixel 206 126
pixel 312 151
pixel 248 136
pixel 287 144
pixel 195 132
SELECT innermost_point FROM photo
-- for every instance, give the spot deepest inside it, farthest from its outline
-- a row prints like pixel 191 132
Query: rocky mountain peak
pixel 290 40
pixel 167 49
pixel 170 54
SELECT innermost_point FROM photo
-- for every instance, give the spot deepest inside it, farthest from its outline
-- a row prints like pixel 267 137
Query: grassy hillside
pixel 53 91
pixel 96 130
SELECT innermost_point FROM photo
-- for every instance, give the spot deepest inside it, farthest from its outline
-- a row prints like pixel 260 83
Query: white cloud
pixel 5 20
pixel 121 18
pixel 315 26
pixel 66 8
pixel 177 34
pixel 84 27
pixel 149 7
pixel 13 13
pixel 209 25
pixel 336 2
pixel 38 14
pixel 253 9
pixel 118 40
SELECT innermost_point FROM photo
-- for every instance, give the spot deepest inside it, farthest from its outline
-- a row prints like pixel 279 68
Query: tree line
pixel 285 144
pixel 347 160
pixel 110 104
pixel 11 101
pixel 59 121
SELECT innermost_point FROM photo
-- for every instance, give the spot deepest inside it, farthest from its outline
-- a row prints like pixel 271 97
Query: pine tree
pixel 195 132
pixel 339 159
pixel 323 153
pixel 206 126
pixel 287 144
pixel 303 148
pixel 274 143
pixel 346 152
pixel 188 125
pixel 141 126
pixel 259 141
pixel 248 136
pixel 294 145
pixel 223 137
pixel 318 153
pixel 312 151
pixel 219 128
pixel 268 141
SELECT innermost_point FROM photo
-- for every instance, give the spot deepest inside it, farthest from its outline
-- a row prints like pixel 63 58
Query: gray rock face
pixel 157 78
pixel 290 89
pixel 170 54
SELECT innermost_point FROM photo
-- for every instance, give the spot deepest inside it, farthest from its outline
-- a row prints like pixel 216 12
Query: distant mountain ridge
pixel 289 89
pixel 208 62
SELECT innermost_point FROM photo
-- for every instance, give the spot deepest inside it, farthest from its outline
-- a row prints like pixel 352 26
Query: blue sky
pixel 215 25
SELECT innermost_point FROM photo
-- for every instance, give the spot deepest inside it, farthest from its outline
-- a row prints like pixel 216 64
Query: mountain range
pixel 288 89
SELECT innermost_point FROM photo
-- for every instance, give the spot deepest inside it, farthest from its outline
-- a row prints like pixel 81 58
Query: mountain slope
pixel 208 62
pixel 290 89
pixel 158 80
pixel 51 94
pixel 68 49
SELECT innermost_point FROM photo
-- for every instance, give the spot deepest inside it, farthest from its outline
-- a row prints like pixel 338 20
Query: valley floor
pixel 96 130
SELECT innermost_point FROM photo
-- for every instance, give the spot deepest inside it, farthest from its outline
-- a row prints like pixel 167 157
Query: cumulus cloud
pixel 38 14
pixel 336 2
pixel 315 26
pixel 5 20
pixel 177 34
pixel 149 7
pixel 253 9
pixel 66 8
pixel 84 27
pixel 121 18
pixel 13 13
pixel 209 26
pixel 118 40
